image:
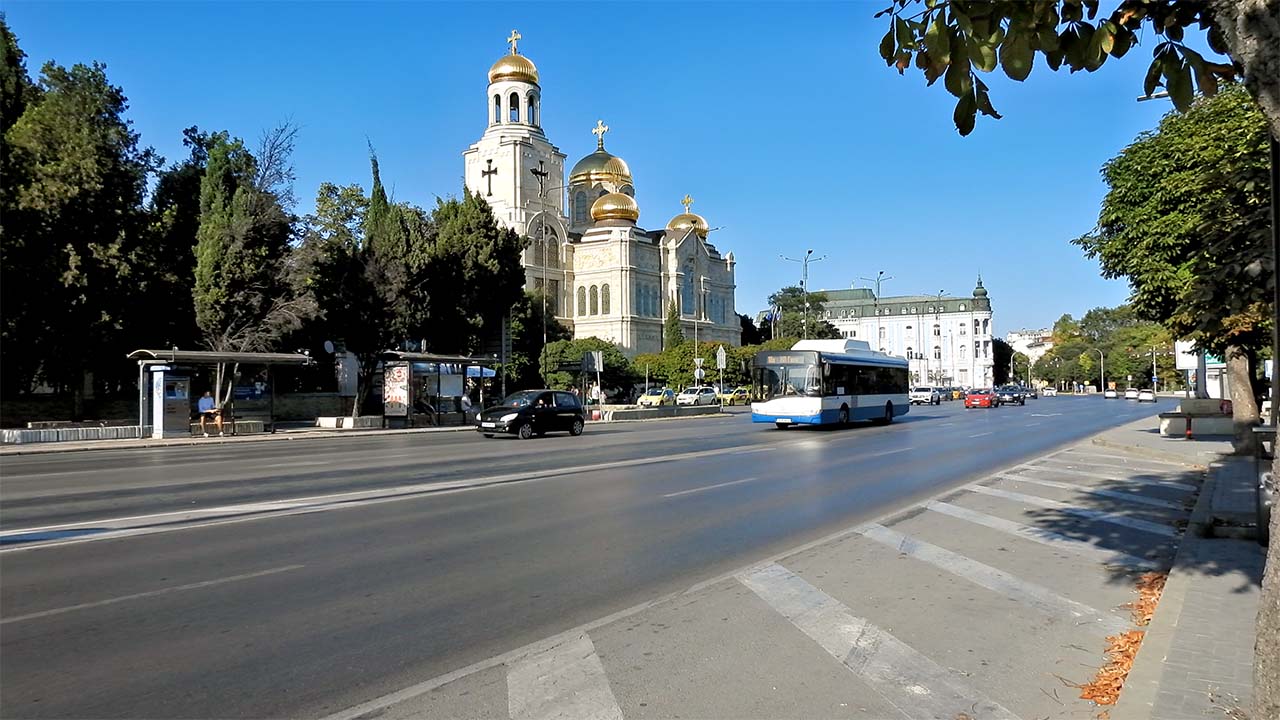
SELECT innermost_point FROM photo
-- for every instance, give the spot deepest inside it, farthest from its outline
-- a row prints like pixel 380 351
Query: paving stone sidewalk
pixel 1196 660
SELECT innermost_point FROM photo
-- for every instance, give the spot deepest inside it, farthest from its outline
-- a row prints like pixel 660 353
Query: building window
pixel 937 352
pixel 604 299
pixel 977 348
pixel 882 333
pixel 497 109
pixel 913 310
pixel 580 207
pixel 977 328
pixel 582 301
pixel 937 330
pixel 909 350
pixel 961 307
pixel 986 348
pixel 908 328
pixel 686 296
pixel 595 300
pixel 964 352
pixel 514 112
pixel 533 109
pixel 986 327
pixel 964 328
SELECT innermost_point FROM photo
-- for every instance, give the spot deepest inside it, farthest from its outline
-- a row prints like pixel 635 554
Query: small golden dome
pixel 615 206
pixel 689 221
pixel 600 166
pixel 514 66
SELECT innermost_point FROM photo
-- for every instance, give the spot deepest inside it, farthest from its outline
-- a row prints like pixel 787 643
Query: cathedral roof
pixel 615 206
pixel 687 220
pixel 600 166
pixel 514 66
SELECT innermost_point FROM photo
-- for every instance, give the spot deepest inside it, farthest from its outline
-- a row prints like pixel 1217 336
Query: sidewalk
pixel 1196 659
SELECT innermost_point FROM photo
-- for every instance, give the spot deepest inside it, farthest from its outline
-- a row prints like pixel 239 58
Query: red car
pixel 983 398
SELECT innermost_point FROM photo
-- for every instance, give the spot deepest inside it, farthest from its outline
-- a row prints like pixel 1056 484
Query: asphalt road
pixel 300 597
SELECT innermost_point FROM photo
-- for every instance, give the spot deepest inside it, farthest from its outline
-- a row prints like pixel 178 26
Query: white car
pixel 925 395
pixel 1146 396
pixel 697 395
pixel 1050 392
pixel 1131 394
pixel 1110 394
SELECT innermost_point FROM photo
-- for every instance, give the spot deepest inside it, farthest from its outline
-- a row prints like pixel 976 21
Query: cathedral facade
pixel 602 274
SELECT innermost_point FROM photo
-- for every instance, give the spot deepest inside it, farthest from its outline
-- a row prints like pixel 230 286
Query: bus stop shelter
pixel 427 389
pixel 169 387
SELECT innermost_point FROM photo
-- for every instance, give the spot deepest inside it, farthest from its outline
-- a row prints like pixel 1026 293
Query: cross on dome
pixel 686 202
pixel 515 36
pixel 599 130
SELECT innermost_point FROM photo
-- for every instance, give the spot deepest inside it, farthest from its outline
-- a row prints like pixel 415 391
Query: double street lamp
pixel 875 300
pixel 804 285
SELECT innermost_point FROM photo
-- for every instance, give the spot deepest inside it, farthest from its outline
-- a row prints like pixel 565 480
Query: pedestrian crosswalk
pixel 984 602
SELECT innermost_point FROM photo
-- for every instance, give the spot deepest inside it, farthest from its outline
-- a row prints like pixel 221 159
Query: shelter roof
pixel 210 357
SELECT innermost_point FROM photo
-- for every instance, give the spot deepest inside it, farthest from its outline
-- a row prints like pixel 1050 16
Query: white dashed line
pixel 709 487
pixel 983 434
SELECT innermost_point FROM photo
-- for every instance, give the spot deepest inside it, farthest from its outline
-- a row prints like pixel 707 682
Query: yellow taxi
pixel 736 396
pixel 657 397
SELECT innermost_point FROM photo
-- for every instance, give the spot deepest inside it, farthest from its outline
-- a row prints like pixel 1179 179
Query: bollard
pixel 1188 427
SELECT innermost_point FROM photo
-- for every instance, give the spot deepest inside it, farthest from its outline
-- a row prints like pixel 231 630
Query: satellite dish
pixel 328 346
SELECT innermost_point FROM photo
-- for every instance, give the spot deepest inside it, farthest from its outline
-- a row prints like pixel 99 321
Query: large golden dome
pixel 600 166
pixel 615 206
pixel 514 67
pixel 688 220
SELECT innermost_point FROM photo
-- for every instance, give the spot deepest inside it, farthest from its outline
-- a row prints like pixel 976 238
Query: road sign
pixel 593 361
pixel 720 357
pixel 699 374
pixel 697 362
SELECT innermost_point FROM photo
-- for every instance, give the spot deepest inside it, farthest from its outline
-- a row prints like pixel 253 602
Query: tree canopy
pixel 801 315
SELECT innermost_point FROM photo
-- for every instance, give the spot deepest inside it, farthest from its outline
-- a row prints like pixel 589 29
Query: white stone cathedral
pixel 605 276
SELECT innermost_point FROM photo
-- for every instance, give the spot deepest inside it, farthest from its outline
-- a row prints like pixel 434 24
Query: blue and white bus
pixel 828 382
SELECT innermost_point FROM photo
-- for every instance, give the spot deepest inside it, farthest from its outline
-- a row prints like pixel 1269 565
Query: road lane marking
pixel 999 581
pixel 567 681
pixel 983 434
pixel 889 452
pixel 911 682
pixel 1042 536
pixel 1087 490
pixel 1031 424
pixel 1087 513
pixel 132 526
pixel 708 487
pixel 1169 484
pixel 152 593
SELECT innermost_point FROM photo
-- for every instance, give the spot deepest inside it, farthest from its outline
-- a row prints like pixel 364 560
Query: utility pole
pixel 542 175
pixel 879 278
pixel 804 286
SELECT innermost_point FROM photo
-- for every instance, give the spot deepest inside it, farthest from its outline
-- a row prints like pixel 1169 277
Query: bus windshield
pixel 773 381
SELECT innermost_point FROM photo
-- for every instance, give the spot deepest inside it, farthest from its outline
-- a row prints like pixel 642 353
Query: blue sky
pixel 780 119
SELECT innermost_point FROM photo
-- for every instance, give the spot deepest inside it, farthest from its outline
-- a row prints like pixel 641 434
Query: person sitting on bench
pixel 209 410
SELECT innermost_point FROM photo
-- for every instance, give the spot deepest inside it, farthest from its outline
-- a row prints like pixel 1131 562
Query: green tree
pixel 1001 357
pixel 244 299
pixel 75 233
pixel 751 335
pixel 672 332
pixel 1186 221
pixel 618 371
pixel 957 39
pixel 523 369
pixel 801 315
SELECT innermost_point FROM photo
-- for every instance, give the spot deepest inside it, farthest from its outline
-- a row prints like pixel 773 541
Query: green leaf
pixel 887 47
pixel 1153 78
pixel 1105 37
pixel 1048 38
pixel 903 32
pixel 984 102
pixel 982 54
pixel 1179 84
pixel 959 80
pixel 938 42
pixel 1054 58
pixel 1124 38
pixel 1016 56
pixel 965 114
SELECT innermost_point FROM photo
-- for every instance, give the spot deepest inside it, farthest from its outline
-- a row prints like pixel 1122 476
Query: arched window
pixel 595 300
pixel 532 102
pixel 627 190
pixel 686 295
pixel 908 352
pixel 580 207
pixel 937 352
pixel 964 352
pixel 913 310
pixel 961 307
pixel 976 327
pixel 515 108
pixel 604 299
pixel 986 327
pixel 582 301
pixel 937 330
pixel 497 109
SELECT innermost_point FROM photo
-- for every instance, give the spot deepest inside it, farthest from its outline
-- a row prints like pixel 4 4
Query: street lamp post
pixel 804 286
pixel 541 175
pixel 879 278
pixel 1102 361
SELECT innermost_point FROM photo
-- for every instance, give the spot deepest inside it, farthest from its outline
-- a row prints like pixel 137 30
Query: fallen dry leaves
pixel 1150 585
pixel 1105 687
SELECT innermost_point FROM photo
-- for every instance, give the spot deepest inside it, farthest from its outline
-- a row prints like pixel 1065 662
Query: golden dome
pixel 615 206
pixel 689 221
pixel 514 66
pixel 600 166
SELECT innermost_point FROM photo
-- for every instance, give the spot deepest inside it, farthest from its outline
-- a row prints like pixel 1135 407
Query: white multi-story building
pixel 947 340
pixel 1032 343
pixel 605 276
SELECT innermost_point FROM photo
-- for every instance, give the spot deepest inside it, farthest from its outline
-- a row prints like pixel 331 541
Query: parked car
pixel 657 397
pixel 1050 392
pixel 697 395
pixel 925 395
pixel 1147 395
pixel 533 412
pixel 981 398
pixel 1131 394
pixel 736 396
pixel 1009 394
pixel 1110 394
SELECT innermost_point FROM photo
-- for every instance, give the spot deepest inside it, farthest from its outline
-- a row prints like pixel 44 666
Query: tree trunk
pixel 1244 408
pixel 77 395
pixel 1251 29
pixel 1266 649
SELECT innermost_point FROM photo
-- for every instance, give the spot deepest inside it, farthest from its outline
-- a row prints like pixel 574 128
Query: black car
pixel 1011 394
pixel 534 412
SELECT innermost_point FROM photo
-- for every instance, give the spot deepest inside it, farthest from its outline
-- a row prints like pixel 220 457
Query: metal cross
pixel 686 202
pixel 488 174
pixel 515 36
pixel 599 130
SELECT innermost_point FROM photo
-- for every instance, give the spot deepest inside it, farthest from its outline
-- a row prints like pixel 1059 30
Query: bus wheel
pixel 782 426
pixel 844 415
pixel 888 414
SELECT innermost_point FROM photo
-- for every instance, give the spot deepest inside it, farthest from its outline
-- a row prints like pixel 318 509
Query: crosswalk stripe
pixel 1042 536
pixel 1087 513
pixel 565 681
pixel 1170 484
pixel 1112 494
pixel 1127 458
pixel 914 684
pixel 1015 588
